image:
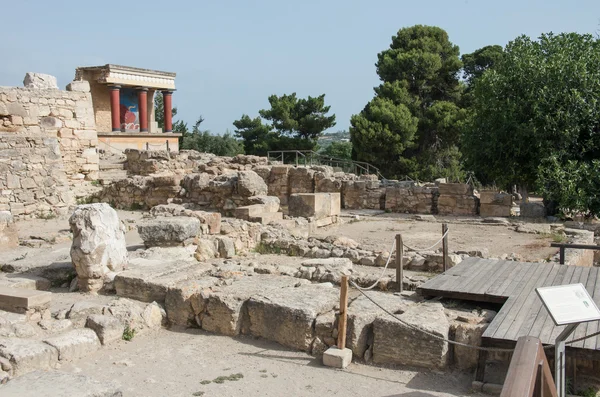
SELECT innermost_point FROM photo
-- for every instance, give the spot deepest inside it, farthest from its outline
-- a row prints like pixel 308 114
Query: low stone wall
pixel 410 197
pixel 65 115
pixel 457 199
pixel 495 204
pixel 33 180
pixel 578 257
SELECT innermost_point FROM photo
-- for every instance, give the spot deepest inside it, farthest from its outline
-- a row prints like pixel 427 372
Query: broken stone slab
pixel 74 344
pixel 9 236
pixel 328 269
pixel 397 343
pixel 22 300
pixel 270 203
pixel 25 281
pixel 224 309
pixel 249 184
pixel 108 328
pixel 226 247
pixel 55 326
pixel 26 355
pixel 39 81
pixel 287 315
pixel 362 313
pixel 80 311
pixel 79 86
pixel 98 246
pixel 337 358
pixel 169 231
pixel 181 302
pixel 58 384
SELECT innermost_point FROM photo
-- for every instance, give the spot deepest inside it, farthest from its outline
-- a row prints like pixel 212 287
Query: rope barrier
pixel 428 248
pixel 382 273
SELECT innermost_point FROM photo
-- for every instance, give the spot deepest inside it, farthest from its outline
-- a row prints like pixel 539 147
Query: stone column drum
pixel 98 246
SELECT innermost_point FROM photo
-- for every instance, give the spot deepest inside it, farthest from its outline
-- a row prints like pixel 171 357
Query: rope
pixel 382 273
pixel 428 248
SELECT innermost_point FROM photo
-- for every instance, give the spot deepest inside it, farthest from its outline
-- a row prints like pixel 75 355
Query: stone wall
pixel 457 199
pixel 410 197
pixel 33 180
pixel 67 116
pixel 494 203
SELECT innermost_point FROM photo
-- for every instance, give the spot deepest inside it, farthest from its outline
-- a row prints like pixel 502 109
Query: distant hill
pixel 339 136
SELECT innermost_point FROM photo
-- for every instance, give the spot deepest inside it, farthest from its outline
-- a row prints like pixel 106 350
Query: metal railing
pixel 309 158
pixel 529 374
pixel 563 246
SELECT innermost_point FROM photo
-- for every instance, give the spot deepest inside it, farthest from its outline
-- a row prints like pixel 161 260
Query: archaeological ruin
pixel 110 233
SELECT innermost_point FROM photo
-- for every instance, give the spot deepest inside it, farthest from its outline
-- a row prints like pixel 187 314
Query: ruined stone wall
pixel 457 199
pixel 67 116
pixel 410 197
pixel 33 181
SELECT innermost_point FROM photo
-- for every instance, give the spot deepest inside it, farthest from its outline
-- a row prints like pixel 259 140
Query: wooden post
pixel 343 313
pixel 562 255
pixel 399 256
pixel 445 246
pixel 147 146
pixel 168 146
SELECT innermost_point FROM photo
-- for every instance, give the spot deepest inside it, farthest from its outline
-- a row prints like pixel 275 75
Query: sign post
pixel 568 305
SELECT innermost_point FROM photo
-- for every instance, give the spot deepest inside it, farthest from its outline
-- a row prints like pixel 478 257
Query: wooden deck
pixel 513 284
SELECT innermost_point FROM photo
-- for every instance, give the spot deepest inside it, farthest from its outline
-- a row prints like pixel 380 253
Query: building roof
pixel 129 76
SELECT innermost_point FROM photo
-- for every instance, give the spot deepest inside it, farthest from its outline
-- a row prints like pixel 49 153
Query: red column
pixel 115 107
pixel 168 106
pixel 143 108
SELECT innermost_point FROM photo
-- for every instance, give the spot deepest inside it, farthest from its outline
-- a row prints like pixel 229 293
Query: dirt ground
pixel 377 233
pixel 172 363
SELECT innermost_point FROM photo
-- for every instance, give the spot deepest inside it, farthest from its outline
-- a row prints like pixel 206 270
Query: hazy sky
pixel 229 56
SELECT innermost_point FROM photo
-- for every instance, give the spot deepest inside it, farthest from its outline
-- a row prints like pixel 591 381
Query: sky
pixel 229 56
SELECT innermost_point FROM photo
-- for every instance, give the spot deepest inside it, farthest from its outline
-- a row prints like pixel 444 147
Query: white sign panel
pixel 569 304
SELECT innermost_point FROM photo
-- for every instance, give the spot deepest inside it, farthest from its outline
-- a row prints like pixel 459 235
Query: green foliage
pixel 476 63
pixel 295 123
pixel 128 333
pixel 204 141
pixel 414 118
pixel 536 119
pixel 340 150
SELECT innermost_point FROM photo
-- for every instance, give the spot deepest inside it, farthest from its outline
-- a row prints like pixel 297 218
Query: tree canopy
pixel 204 141
pixel 536 119
pixel 290 123
pixel 412 125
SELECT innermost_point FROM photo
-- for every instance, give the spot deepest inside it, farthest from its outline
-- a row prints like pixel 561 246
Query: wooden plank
pixel 341 342
pixel 588 279
pixel 531 307
pixel 502 270
pixel 538 324
pixel 520 310
pixel 549 326
pixel 593 327
pixel 483 271
pixel 519 270
pixel 498 321
pixel 449 284
pixel 515 288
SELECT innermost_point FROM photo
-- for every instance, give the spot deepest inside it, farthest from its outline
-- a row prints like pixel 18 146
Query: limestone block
pixel 75 344
pixel 184 302
pixel 26 355
pixel 491 210
pixel 287 315
pixel 455 189
pixel 169 231
pixel 395 343
pixel 470 334
pixel 533 210
pixel 20 300
pixel 362 313
pixel 16 109
pixel 301 180
pixel 9 235
pixel 79 86
pixel 224 307
pixel 496 198
pixel 206 250
pixel 317 205
pixel 39 81
pixel 226 247
pixel 54 383
pixel 337 358
pixel 98 244
pixel 80 311
pixel 270 203
pixel 250 184
pixel 108 328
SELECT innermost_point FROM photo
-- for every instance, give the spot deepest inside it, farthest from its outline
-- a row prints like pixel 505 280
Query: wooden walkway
pixel 513 284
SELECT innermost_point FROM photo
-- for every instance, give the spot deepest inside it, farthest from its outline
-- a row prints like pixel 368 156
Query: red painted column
pixel 143 108
pixel 168 106
pixel 115 107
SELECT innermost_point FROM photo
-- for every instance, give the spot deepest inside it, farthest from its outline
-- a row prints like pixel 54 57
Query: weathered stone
pixel 79 86
pixel 532 210
pixel 225 307
pixel 397 343
pixel 205 250
pixel 39 81
pixel 27 355
pixel 9 235
pixel 362 313
pixel 74 344
pixel 184 302
pixel 314 205
pixel 58 384
pixel 286 315
pixel 55 326
pixel 98 244
pixel 251 184
pixel 108 328
pixel 21 300
pixel 328 269
pixel 337 358
pixel 80 311
pixel 226 247
pixel 270 203
pixel 154 315
pixel 470 334
pixel 169 231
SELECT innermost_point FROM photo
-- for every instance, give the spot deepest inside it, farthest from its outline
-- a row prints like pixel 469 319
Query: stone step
pixel 20 300
pixel 249 211
pixel 58 384
pixel 267 217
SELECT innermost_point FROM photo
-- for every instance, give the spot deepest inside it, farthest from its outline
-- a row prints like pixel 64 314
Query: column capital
pixel 168 92
pixel 142 88
pixel 114 87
